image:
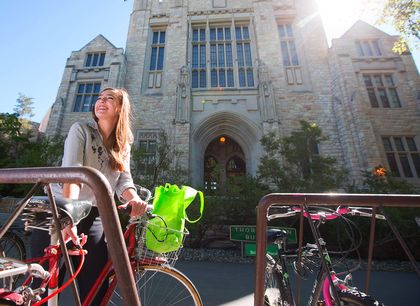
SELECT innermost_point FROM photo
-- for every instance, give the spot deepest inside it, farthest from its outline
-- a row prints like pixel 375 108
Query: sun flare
pixel 339 15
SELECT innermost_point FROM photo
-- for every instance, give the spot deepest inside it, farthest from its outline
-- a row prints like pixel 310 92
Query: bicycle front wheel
pixel 276 292
pixel 161 285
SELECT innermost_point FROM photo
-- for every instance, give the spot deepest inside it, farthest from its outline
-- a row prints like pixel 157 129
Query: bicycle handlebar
pixel 321 213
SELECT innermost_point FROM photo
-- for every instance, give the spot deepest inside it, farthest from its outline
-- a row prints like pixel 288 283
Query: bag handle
pixel 190 194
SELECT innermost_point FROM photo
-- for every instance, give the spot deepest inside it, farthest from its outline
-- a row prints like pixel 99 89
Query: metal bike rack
pixel 106 207
pixel 376 201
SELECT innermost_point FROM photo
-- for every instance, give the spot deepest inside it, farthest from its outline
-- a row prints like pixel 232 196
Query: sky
pixel 39 35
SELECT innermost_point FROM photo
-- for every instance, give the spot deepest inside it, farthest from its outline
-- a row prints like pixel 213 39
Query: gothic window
pixel 86 96
pixel 403 156
pixel 289 54
pixel 368 48
pixel 215 51
pixel 381 90
pixel 96 59
pixel 157 52
pixel 199 71
pixel 146 151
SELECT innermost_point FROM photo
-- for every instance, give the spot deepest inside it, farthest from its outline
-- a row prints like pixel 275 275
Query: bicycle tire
pixel 11 245
pixel 275 292
pixel 353 297
pixel 161 285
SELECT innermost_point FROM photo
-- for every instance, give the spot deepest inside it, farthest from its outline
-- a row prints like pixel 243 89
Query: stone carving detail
pixel 265 93
pixel 183 96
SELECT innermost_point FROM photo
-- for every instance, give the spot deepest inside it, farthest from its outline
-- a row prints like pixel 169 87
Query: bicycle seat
pixel 273 234
pixel 70 211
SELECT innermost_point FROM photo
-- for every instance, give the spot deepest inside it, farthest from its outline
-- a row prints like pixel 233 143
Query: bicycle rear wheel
pixel 161 285
pixel 12 246
pixel 357 298
pixel 276 286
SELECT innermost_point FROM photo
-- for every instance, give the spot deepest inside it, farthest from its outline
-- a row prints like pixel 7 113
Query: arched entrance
pixel 223 158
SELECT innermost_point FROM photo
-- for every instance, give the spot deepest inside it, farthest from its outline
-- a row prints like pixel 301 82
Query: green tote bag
pixel 166 231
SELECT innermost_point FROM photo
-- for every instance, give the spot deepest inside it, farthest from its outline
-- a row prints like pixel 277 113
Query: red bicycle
pixel 158 282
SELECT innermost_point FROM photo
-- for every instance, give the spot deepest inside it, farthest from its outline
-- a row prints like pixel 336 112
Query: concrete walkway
pixel 230 284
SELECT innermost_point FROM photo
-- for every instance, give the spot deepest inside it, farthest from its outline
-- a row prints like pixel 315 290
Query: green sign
pixel 251 249
pixel 249 233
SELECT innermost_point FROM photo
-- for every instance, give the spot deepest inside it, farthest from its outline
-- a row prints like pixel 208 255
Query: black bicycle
pixel 328 288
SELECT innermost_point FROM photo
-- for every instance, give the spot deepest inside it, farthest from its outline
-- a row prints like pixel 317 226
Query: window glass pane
pixel 160 58
pixel 219 33
pixel 248 59
pixel 95 60
pixel 387 143
pixel 245 33
pixel 289 30
pixel 202 56
pixel 359 48
pixel 153 59
pixel 162 37
pixel 227 34
pixel 293 53
pixel 102 59
pixel 213 56
pixel 86 104
pixel 89 88
pixel 411 144
pixel 195 56
pixel 399 144
pixel 383 97
pixel 194 79
pixel 89 60
pixel 285 53
pixel 96 88
pixel 416 161
pixel 221 55
pixel 393 164
pixel 195 35
pixel 367 51
pixel 368 80
pixel 230 81
pixel 238 33
pixel 372 97
pixel 242 79
pixel 155 37
pixel 388 80
pixel 376 48
pixel 214 78
pixel 229 59
pixel 281 31
pixel 81 88
pixel 405 165
pixel 202 35
pixel 78 103
pixel 378 80
pixel 222 79
pixel 395 101
pixel 250 77
pixel 203 79
pixel 212 34
pixel 240 55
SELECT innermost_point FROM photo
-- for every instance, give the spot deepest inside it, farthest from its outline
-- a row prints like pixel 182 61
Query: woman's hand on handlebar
pixel 136 206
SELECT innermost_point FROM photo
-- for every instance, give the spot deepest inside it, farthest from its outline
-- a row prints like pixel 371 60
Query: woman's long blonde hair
pixel 122 135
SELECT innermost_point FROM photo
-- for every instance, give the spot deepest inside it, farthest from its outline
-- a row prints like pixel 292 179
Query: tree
pixel 293 164
pixel 156 163
pixel 404 16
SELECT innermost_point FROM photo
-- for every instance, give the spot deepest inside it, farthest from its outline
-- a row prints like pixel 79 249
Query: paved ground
pixel 230 284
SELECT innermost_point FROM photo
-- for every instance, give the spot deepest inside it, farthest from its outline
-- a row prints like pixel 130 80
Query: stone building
pixel 216 75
